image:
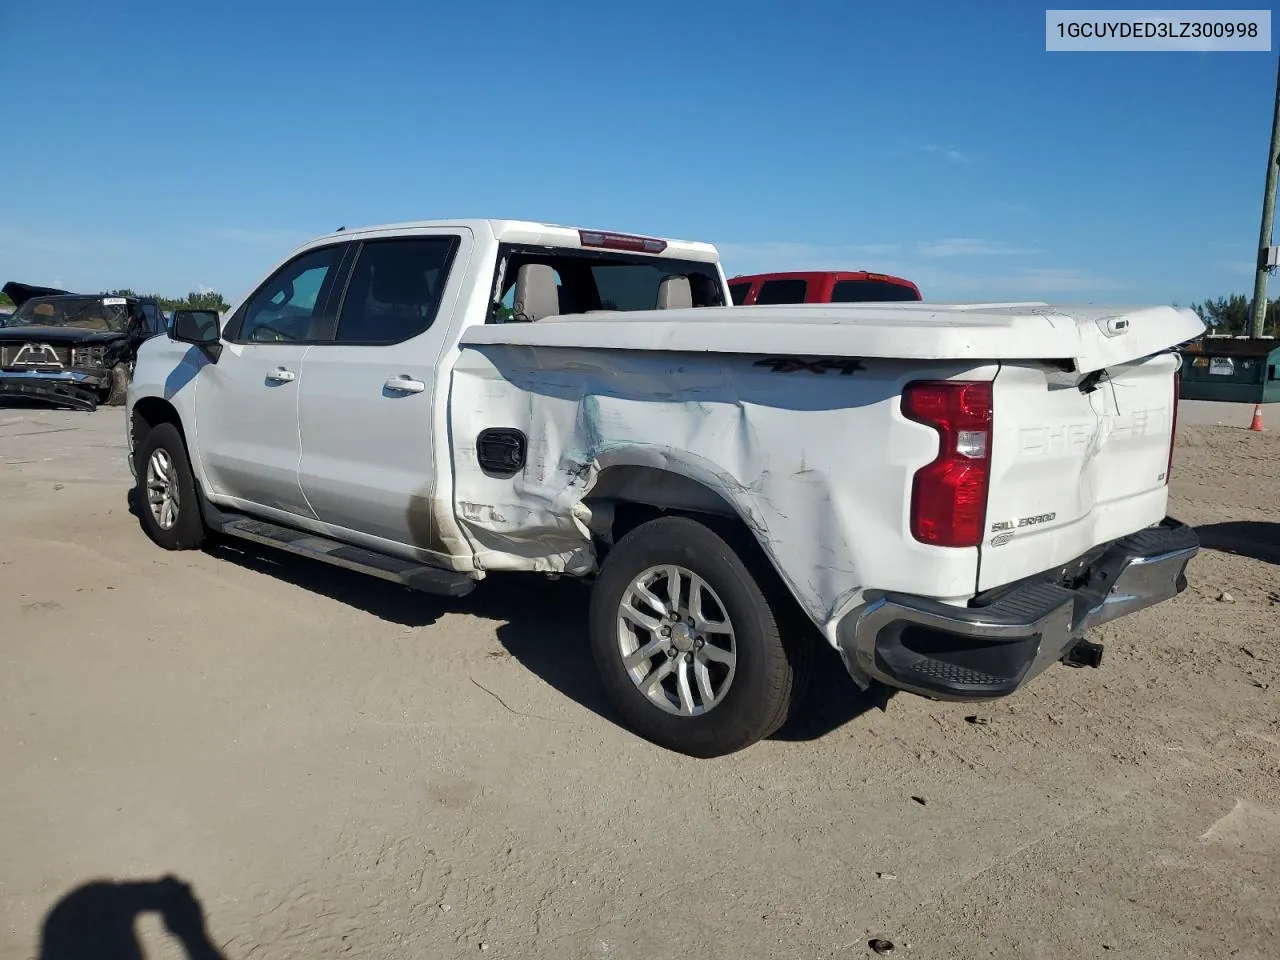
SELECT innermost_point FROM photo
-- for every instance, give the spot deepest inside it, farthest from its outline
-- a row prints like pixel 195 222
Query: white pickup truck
pixel 949 494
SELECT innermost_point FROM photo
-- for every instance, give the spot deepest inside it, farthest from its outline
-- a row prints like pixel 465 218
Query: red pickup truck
pixel 831 286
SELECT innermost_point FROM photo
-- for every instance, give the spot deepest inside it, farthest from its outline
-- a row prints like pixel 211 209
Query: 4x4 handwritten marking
pixel 795 364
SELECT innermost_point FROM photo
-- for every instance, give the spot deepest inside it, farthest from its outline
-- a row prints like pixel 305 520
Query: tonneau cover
pixel 1090 337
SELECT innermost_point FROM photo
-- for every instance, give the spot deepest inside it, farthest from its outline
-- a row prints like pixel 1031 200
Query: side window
pixel 782 291
pixel 288 306
pixel 739 291
pixel 395 289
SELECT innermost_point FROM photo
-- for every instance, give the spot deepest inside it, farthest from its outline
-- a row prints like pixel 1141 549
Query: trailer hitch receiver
pixel 1084 654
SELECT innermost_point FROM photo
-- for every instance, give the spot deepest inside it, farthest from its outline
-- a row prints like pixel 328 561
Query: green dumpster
pixel 1234 369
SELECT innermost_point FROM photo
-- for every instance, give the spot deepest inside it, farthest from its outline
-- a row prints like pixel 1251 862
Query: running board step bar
pixel 416 576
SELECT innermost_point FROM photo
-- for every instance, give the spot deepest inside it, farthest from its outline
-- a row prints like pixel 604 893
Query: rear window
pixel 739 291
pixel 587 280
pixel 870 291
pixel 631 286
pixel 782 291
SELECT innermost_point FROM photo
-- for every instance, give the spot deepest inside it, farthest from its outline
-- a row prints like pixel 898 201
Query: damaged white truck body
pixel 949 494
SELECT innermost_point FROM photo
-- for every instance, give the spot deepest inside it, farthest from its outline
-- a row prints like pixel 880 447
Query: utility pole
pixel 1268 215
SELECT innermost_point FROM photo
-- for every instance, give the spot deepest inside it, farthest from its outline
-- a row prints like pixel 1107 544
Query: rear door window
pixel 782 291
pixel 395 289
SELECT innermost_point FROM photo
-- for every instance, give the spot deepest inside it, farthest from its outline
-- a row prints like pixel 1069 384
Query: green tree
pixel 1232 315
pixel 206 300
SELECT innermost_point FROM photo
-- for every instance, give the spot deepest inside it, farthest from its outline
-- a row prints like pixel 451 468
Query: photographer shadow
pixel 98 921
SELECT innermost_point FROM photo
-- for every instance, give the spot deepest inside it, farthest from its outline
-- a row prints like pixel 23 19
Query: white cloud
pixel 952 154
pixel 264 236
pixel 802 256
pixel 1240 268
pixel 934 265
pixel 969 247
pixel 13 239
pixel 1038 282
pixel 61 244
pixel 784 255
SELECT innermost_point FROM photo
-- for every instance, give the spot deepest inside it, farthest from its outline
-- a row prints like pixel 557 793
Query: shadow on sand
pixel 542 623
pixel 97 921
pixel 1256 539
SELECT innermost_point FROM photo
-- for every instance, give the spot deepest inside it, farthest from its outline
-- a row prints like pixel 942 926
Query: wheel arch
pixel 147 414
pixel 633 487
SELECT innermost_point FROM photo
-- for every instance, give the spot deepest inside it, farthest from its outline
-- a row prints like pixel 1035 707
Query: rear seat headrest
pixel 675 293
pixel 537 295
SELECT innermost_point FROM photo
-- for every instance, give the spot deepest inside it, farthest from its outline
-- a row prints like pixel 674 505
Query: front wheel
pixel 115 394
pixel 166 491
pixel 686 642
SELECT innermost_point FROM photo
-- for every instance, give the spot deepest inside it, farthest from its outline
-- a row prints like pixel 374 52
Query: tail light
pixel 949 496
pixel 1173 429
pixel 620 241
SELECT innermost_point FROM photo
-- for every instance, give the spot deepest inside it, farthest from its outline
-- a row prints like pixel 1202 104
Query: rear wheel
pixel 687 643
pixel 166 491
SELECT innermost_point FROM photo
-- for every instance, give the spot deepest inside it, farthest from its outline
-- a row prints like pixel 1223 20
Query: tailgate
pixel 1077 459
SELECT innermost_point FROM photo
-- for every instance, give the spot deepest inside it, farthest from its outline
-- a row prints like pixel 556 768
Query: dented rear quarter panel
pixel 817 465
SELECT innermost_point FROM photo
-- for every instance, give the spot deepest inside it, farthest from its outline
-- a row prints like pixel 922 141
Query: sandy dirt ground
pixel 332 767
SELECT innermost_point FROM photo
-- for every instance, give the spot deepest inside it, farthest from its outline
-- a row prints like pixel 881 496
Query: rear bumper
pixel 981 652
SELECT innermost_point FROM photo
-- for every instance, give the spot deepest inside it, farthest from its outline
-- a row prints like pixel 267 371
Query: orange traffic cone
pixel 1257 418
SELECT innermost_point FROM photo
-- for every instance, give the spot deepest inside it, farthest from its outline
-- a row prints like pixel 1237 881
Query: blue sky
pixel 168 147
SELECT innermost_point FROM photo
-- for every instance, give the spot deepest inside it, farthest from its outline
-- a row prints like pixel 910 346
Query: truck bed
pixel 791 419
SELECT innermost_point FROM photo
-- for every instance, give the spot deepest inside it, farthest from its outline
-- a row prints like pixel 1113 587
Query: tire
pixel 163 445
pixel 755 694
pixel 115 394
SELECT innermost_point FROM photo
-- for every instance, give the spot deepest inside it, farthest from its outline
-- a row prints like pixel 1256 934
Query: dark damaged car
pixel 72 350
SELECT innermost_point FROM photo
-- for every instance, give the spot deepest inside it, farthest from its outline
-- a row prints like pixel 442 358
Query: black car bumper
pixel 982 652
pixel 69 388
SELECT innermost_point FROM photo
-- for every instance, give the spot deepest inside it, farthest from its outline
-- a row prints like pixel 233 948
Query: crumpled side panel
pixel 817 464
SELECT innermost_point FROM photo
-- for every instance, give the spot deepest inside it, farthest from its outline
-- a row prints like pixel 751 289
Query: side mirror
pixel 199 327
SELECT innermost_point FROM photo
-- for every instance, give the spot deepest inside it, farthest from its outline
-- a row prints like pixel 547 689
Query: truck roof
pixel 529 232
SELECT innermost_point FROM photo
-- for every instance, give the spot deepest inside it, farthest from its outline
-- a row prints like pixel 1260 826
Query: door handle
pixel 404 384
pixel 281 375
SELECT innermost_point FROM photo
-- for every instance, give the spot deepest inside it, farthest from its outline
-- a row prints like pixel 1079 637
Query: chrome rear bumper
pixel 980 652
